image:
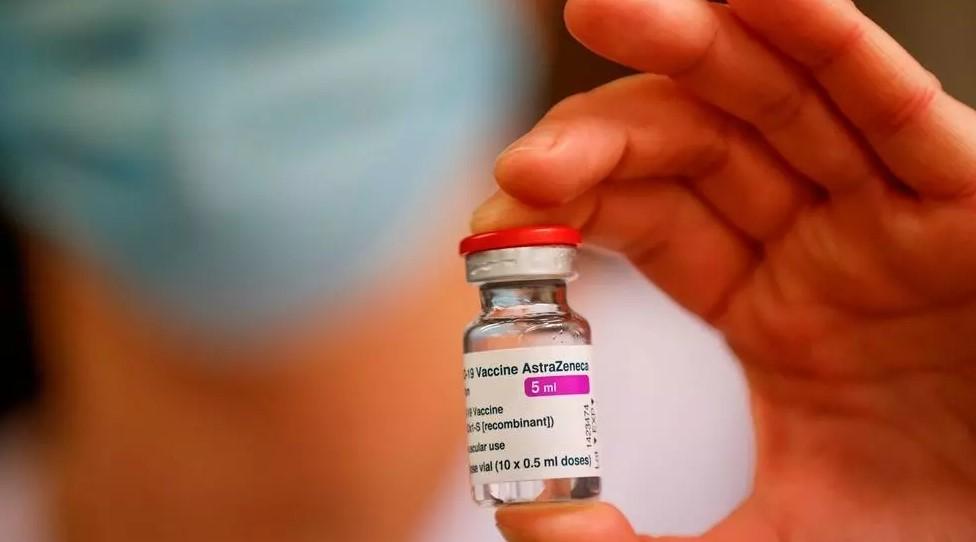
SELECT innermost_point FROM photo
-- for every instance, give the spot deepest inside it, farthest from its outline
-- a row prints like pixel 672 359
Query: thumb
pixel 601 522
pixel 590 522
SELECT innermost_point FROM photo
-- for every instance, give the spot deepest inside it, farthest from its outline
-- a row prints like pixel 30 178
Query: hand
pixel 794 177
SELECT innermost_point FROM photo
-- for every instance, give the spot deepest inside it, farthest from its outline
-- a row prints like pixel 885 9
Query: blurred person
pixel 790 174
pixel 232 216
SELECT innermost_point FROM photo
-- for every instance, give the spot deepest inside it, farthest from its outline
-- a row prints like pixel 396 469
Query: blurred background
pixel 142 399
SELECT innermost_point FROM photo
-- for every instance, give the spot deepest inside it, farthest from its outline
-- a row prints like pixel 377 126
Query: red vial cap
pixel 532 236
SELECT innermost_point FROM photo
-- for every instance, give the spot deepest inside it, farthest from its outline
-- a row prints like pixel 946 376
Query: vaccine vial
pixel 528 372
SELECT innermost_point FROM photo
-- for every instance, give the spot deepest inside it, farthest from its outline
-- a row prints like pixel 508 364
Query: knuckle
pixel 827 57
pixel 912 104
pixel 699 57
pixel 783 110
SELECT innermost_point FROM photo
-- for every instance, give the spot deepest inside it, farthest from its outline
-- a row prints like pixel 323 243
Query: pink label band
pixel 546 386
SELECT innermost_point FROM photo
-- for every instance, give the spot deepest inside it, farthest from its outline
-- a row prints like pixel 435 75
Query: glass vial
pixel 531 413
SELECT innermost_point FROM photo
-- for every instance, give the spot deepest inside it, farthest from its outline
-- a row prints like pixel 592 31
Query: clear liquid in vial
pixel 526 315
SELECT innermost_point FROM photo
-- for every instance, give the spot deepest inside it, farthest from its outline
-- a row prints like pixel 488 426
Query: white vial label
pixel 531 414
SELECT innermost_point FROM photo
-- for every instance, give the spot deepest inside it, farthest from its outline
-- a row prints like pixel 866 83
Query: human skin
pixel 314 432
pixel 787 172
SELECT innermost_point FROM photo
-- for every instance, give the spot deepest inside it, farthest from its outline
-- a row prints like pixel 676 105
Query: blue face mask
pixel 232 159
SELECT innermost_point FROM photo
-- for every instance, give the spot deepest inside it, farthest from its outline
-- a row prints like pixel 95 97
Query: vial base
pixel 537 491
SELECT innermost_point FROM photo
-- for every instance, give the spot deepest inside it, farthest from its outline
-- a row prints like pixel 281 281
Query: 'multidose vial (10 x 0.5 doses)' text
pixel 531 413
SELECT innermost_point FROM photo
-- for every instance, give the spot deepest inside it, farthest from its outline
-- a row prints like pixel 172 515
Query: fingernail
pixel 486 216
pixel 510 535
pixel 506 516
pixel 545 508
pixel 497 212
pixel 540 139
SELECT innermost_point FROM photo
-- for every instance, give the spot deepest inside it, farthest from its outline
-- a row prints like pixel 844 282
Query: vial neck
pixel 521 299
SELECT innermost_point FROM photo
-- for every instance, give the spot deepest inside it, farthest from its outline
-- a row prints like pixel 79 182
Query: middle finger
pixel 705 49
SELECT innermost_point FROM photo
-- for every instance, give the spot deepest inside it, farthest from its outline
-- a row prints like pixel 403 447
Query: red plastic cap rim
pixel 531 236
